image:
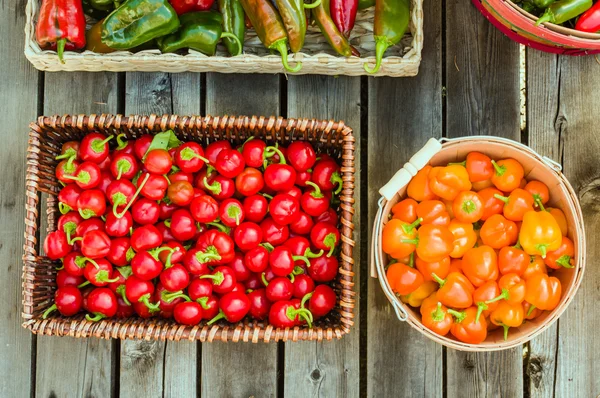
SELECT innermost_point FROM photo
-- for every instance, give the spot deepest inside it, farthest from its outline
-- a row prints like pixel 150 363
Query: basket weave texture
pixel 519 25
pixel 45 139
pixel 317 57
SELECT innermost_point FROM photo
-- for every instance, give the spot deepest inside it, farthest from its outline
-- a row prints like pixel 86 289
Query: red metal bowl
pixel 519 26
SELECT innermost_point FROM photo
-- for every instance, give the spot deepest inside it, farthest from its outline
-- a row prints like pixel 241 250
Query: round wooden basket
pixel 519 25
pixel 536 167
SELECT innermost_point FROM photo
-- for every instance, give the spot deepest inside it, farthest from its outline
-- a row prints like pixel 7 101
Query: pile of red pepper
pixel 582 15
pixel 473 245
pixel 157 227
pixel 180 25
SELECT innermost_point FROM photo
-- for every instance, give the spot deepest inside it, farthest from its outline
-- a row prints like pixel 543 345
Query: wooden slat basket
pixel 45 139
pixel 536 167
pixel 317 57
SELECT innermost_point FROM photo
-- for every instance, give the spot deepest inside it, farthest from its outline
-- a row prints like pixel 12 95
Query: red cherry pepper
pixel 124 310
pixel 223 279
pixel 255 208
pixel 259 304
pixel 175 278
pixel 278 289
pixel 589 21
pixel 188 313
pixel 314 202
pixel 284 209
pixel 329 217
pixel 230 163
pixel 183 226
pixel 87 175
pixel 124 165
pixel 196 262
pixel 214 148
pixel 325 237
pixel 249 182
pixel 326 175
pixel 180 193
pixel 247 236
pixel 91 203
pixel 158 161
pixel 56 245
pixel 231 212
pixel 63 278
pixel 238 265
pixel 274 233
pixel 145 265
pixel 123 146
pixel 94 148
pixel 145 237
pixel 94 244
pixel 65 170
pixel 189 157
pixel 105 179
pixel 68 150
pixel 303 284
pixel 220 187
pixel 120 253
pixel 283 314
pixel 282 261
pixel 165 232
pixel 102 303
pixel 98 272
pixel 118 227
pixel 233 307
pixel 145 211
pixel 89 225
pixel 323 268
pixel 67 300
pixel 74 263
pixel 321 301
pixel 281 176
pixel 181 176
pixel 257 259
pixel 141 145
pixel 253 151
pixel 140 291
pixel 204 209
pixel 67 198
pixel 153 186
pixel 301 155
pixel 119 194
pixel 215 248
pixel 303 224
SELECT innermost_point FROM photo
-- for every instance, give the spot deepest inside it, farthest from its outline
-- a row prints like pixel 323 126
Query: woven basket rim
pixel 579 269
pixel 154 61
pixel 328 132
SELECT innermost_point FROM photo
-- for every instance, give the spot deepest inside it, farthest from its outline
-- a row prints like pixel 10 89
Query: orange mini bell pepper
pixel 468 207
pixel 516 204
pixel 536 266
pixel 512 260
pixel 529 312
pixel 543 291
pixel 479 167
pixel 482 295
pixel 418 187
pixel 540 233
pixel 447 182
pixel 405 210
pixel 498 232
pixel 561 257
pixel 395 232
pixel 480 264
pixel 464 238
pixel 561 219
pixel 440 268
pixel 539 191
pixel 507 315
pixel 481 185
pixel 415 299
pixel 433 212
pixel 433 242
pixel 455 266
pixel 512 289
pixel 403 279
pixel 467 328
pixel 508 174
pixel 436 318
pixel 491 204
pixel 455 291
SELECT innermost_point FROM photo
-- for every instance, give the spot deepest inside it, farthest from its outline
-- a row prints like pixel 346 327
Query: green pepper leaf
pixel 165 140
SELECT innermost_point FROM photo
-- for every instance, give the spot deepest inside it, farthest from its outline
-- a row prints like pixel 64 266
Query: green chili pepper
pixel 334 37
pixel 364 4
pixel 138 21
pixel 391 22
pixel 563 10
pixel 269 27
pixel 233 22
pixel 200 31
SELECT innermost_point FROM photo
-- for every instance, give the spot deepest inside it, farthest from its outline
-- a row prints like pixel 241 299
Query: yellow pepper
pixel 561 219
pixel 540 233
pixel 415 299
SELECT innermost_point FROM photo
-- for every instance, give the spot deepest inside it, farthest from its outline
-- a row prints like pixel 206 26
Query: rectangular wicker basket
pixel 45 139
pixel 317 57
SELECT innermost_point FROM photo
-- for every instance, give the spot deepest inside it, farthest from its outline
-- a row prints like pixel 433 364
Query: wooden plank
pixel 542 104
pixel 18 94
pixel 252 367
pixel 151 368
pixel 88 369
pixel 482 75
pixel 576 122
pixel 403 115
pixel 330 368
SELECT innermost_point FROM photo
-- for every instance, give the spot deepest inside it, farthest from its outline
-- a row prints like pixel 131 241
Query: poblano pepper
pixel 270 29
pixel 391 22
pixel 138 21
pixel 233 22
pixel 200 31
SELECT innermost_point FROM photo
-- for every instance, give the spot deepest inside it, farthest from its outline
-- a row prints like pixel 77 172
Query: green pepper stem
pixel 336 179
pixel 155 252
pixel 98 316
pixel 381 45
pixel 169 297
pixel 500 170
pixel 306 297
pixel 84 284
pixel 267 246
pixel 408 228
pixel 214 187
pixel 168 262
pixel 135 195
pixel 504 295
pixel 217 278
pixel 281 46
pixel 297 270
pixel 51 309
pixel 330 241
pixel 439 280
pixel 460 316
pixel 264 279
pixel 235 39
pixel 506 327
pixel 121 291
pixel 500 197
pixel 266 195
pixel 309 254
pixel 317 194
pixel 145 299
pixel 60 49
pixel 312 5
pixel 220 315
pixel 303 259
pixel 411 260
pixel 538 202
pixel 203 301
pixel 548 16
pixel 564 261
pixel 542 249
pixel 120 143
pixel 481 306
pixel 530 310
pixel 66 155
pixel 438 314
pixel 64 208
pixel 272 150
pixel 219 226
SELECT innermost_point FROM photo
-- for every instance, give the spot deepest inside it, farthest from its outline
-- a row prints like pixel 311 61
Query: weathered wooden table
pixel 469 83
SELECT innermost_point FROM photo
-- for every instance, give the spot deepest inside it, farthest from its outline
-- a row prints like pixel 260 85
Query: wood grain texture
pixel 89 366
pixel 403 115
pixel 482 75
pixel 240 369
pixel 329 368
pixel 18 96
pixel 156 369
pixel 542 116
pixel 577 366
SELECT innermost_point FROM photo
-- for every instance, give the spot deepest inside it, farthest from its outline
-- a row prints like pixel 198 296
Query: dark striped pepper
pixel 234 23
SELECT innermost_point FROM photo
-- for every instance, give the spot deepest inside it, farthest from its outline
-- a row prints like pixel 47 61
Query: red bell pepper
pixel 343 13
pixel 215 248
pixel 184 6
pixel 61 26
pixel 589 21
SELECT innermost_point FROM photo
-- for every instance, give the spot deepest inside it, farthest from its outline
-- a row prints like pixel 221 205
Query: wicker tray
pixel 45 139
pixel 316 56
